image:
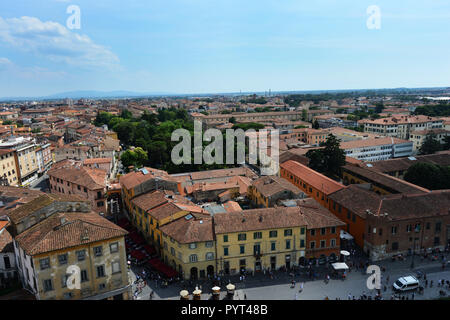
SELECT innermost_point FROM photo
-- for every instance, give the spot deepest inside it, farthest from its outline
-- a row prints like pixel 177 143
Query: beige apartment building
pixel 26 162
pixel 247 117
pixel 401 126
pixel 8 168
pixel 52 233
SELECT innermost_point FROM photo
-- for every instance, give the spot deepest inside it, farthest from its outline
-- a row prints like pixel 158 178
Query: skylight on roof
pixel 369 165
pixel 188 217
pixel 412 158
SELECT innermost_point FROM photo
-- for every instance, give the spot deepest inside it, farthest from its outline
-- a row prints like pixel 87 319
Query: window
pixel 100 204
pixel 302 243
pixel 438 227
pixel 209 244
pixel 192 245
pixel 428 226
pixel 85 190
pixel 101 286
pixel 333 230
pixel 288 232
pixel 172 251
pixel 241 249
pixel 242 236
pixel 64 280
pixel 210 256
pixel 302 231
pixel 257 235
pixel 312 244
pixel 62 258
pixel 257 249
pixel 408 228
pixel 44 263
pixel 322 243
pixel 81 255
pixel 313 232
pixel 114 247
pixel 225 251
pixel 394 246
pixel 273 234
pixel 323 231
pixel 98 251
pixel 288 244
pixel 225 238
pixel 7 262
pixel 100 271
pixel 273 246
pixel 48 285
pixel 84 276
pixel 394 230
pixel 115 266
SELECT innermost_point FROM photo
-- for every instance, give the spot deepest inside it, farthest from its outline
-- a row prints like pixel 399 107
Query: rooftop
pixel 311 177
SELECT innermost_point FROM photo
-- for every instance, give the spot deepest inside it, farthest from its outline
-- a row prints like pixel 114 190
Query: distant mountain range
pixel 89 94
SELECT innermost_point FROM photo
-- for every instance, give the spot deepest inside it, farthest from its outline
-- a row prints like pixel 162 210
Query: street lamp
pixel 413 253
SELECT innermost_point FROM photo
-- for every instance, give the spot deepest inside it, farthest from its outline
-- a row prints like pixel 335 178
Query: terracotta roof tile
pixel 258 219
pixel 311 177
pixel 196 229
pixel 79 229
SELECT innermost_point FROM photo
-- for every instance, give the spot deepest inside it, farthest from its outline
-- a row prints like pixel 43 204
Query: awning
pixel 339 266
pixel 346 235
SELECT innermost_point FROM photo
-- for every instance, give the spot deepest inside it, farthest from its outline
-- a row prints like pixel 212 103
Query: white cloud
pixel 55 42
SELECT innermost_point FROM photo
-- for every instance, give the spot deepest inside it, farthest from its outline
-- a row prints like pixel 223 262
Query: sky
pixel 215 46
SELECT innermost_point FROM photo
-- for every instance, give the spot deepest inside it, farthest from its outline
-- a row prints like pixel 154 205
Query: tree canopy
pixel 428 175
pixel 329 159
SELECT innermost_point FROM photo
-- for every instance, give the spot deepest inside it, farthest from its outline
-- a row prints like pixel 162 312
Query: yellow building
pixel 143 181
pixel 189 247
pixel 268 190
pixel 152 210
pixel 259 239
pixel 84 240
pixel 8 167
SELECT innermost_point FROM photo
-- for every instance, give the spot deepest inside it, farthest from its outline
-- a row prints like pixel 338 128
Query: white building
pixel 377 149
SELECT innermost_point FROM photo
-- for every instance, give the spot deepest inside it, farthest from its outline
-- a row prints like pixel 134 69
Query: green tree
pixel 446 145
pixel 304 115
pixel 328 160
pixel 430 145
pixel 429 175
pixel 126 114
pixel 232 120
pixel 315 124
pixel 136 157
pixel 379 107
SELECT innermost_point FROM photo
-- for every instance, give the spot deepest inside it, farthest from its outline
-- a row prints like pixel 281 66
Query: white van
pixel 406 283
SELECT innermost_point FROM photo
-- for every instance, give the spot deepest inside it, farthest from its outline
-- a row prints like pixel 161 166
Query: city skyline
pixel 184 47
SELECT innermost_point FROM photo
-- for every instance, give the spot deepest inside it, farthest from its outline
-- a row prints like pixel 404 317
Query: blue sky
pixel 207 46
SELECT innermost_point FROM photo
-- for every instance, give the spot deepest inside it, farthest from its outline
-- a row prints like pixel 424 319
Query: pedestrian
pixel 412 297
pixel 301 287
pixel 349 296
pixel 245 296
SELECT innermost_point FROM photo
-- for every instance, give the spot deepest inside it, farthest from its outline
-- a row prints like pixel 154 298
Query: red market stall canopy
pixel 149 249
pixel 138 255
pixel 161 267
